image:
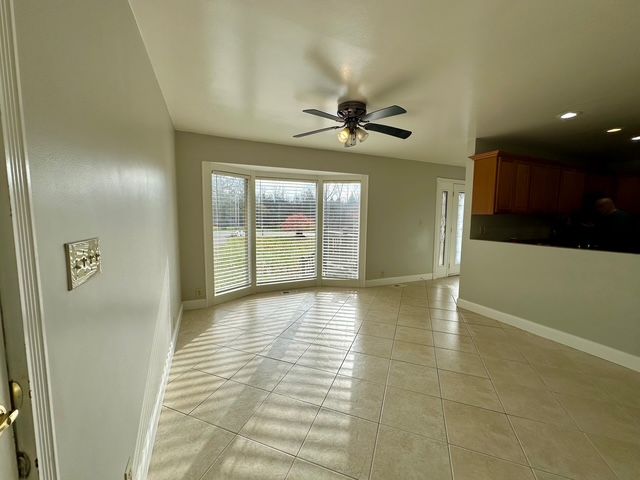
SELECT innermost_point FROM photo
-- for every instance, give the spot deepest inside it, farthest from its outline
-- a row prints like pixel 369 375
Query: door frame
pixel 441 183
pixel 27 299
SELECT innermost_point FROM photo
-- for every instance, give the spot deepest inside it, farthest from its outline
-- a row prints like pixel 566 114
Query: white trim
pixel 25 245
pixel 144 450
pixel 194 304
pixel 608 353
pixel 378 282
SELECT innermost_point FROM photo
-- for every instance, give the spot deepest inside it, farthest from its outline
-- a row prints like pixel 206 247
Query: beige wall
pixel 593 295
pixel 401 200
pixel 101 154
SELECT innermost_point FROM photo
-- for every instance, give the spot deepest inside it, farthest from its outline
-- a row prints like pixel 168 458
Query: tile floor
pixel 387 383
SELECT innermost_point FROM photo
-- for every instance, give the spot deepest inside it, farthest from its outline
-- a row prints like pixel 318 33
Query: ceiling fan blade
pixel 383 113
pixel 387 130
pixel 315 131
pixel 320 113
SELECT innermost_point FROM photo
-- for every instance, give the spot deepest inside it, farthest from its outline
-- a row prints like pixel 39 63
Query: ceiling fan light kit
pixel 356 122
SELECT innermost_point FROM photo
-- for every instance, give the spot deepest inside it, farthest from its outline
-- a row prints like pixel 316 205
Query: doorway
pixel 449 222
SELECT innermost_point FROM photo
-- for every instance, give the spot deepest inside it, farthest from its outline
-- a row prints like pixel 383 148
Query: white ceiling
pixel 462 68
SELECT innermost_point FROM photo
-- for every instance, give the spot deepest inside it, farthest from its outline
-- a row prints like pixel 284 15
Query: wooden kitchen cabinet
pixel 544 188
pixel 500 184
pixel 627 196
pixel 572 188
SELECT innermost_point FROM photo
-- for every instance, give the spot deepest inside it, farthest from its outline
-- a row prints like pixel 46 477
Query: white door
pixel 450 198
pixel 8 465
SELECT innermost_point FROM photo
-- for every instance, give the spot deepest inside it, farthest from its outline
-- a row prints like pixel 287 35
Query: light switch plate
pixel 83 261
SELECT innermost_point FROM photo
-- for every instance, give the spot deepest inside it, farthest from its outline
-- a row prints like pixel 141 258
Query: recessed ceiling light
pixel 636 139
pixel 614 130
pixel 569 115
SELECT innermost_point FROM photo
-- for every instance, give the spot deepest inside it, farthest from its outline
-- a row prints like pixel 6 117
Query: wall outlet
pixel 199 293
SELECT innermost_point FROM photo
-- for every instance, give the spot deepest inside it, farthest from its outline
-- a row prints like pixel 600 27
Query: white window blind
pixel 341 230
pixel 285 230
pixel 230 233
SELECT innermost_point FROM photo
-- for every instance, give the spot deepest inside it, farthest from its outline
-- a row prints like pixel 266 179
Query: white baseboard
pixel 378 282
pixel 194 304
pixel 141 464
pixel 608 353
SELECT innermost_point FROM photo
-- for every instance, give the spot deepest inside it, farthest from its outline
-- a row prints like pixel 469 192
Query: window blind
pixel 341 230
pixel 230 233
pixel 285 230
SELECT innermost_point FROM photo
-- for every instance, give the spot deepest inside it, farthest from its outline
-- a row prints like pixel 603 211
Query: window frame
pixel 208 168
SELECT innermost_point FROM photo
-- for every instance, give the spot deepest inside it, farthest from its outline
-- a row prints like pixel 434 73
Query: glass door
pixel 450 199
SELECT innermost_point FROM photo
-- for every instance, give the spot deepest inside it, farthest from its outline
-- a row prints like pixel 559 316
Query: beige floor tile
pixel 281 422
pixel 374 329
pixel 475 319
pixel 416 378
pixel 442 305
pixel 302 470
pixel 377 346
pixel 447 326
pixel 188 356
pixel 625 391
pixel 323 358
pixel 355 397
pixel 436 313
pixel 191 388
pixel 302 332
pixel 389 317
pixel 454 342
pixel 225 362
pixel 468 465
pixel 252 342
pixel 262 372
pixel 603 418
pixel 623 457
pixel 513 373
pixel 414 335
pixel 365 367
pixel 245 459
pixel 482 431
pixel 469 389
pixel 407 456
pixel 533 403
pixel 461 362
pixel 414 412
pixel 540 475
pixel 503 349
pixel 341 443
pixel 414 310
pixel 347 325
pixel 285 349
pixel 560 450
pixel 335 339
pixel 570 382
pixel 185 447
pixel 413 353
pixel 231 405
pixel 306 384
pixel 414 321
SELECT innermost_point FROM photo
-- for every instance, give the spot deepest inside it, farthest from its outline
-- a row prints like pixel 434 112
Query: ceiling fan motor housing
pixel 351 112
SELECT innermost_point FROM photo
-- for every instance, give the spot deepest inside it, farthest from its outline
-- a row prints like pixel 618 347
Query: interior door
pixel 450 200
pixel 8 465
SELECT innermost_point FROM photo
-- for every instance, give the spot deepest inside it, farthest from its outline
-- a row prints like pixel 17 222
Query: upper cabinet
pixel 507 183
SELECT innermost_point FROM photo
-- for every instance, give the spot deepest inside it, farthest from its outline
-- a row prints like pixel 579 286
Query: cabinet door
pixel 484 186
pixel 600 185
pixel 571 192
pixel 545 183
pixel 506 185
pixel 522 187
pixel 628 194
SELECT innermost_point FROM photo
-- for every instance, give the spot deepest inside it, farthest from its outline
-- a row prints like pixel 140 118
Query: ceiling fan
pixel 355 122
